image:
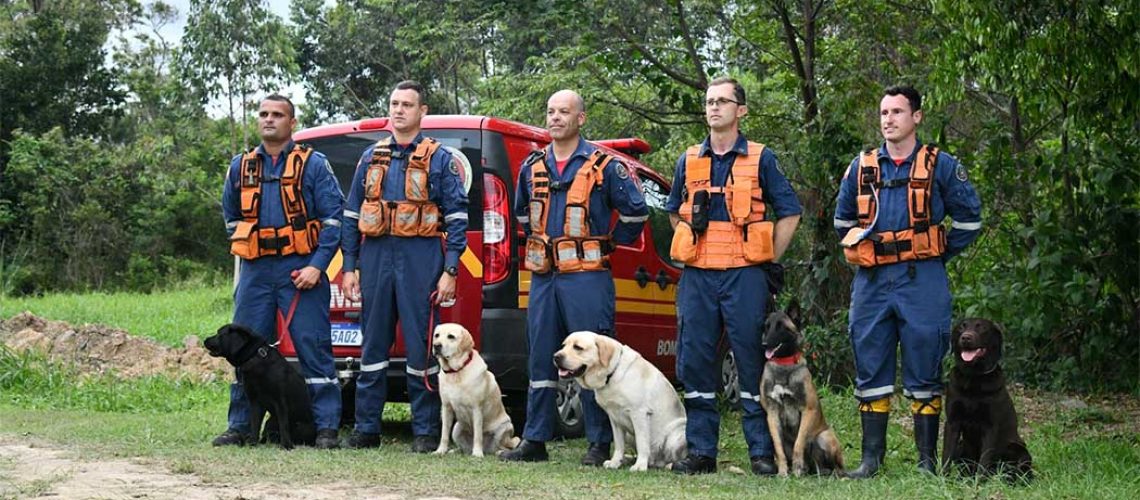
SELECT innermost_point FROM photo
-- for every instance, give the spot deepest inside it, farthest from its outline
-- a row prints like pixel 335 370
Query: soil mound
pixel 99 349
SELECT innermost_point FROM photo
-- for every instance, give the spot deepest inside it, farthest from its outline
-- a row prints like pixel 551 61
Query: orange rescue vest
pixel 416 215
pixel 744 240
pixel 299 235
pixel 576 250
pixel 922 240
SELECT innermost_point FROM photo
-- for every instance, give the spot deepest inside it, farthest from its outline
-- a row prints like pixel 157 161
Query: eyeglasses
pixel 720 101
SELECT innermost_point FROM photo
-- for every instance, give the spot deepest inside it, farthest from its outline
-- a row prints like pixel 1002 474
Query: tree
pixel 232 49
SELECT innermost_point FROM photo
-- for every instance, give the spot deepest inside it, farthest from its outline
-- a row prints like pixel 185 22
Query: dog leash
pixel 432 308
pixel 287 319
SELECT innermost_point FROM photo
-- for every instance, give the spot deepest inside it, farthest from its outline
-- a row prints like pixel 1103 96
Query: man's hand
pixel 350 285
pixel 445 290
pixel 306 278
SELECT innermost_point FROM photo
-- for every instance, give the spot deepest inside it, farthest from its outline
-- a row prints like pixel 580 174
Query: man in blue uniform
pixel 406 195
pixel 721 190
pixel 889 213
pixel 285 242
pixel 564 200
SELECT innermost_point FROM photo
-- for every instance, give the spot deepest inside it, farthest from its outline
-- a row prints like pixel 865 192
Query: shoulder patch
pixel 453 165
pixel 960 173
pixel 622 171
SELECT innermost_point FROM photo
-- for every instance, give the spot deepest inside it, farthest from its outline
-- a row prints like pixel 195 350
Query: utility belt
pixel 723 244
pixel 250 242
pixel 399 218
pixel 889 247
pixel 567 255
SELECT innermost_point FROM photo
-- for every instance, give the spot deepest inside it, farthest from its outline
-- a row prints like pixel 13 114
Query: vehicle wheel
pixel 729 391
pixel 571 423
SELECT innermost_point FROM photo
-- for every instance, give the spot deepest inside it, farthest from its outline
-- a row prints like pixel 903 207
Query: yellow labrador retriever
pixel 636 395
pixel 472 404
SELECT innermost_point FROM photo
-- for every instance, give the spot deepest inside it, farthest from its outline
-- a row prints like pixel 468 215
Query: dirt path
pixel 45 472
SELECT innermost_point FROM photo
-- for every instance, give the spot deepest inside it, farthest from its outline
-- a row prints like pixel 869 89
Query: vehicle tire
pixel 568 404
pixel 729 391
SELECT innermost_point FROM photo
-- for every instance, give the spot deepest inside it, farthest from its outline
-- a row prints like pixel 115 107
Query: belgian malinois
pixel 795 418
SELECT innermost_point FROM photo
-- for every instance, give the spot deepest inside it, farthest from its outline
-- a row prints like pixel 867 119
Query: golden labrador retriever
pixel 636 395
pixel 472 404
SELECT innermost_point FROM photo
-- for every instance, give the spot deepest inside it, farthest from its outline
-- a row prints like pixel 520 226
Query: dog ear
pixel 606 349
pixel 466 342
pixel 998 340
pixel 794 313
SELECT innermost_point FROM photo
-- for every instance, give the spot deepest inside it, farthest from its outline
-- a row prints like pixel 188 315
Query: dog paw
pixel 798 469
pixel 439 451
pixel 611 464
pixel 477 453
pixel 639 467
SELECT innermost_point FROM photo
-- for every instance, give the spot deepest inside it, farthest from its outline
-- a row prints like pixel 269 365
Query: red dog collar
pixel 786 360
pixel 470 356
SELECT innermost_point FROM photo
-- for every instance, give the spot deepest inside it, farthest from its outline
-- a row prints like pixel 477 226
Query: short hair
pixel 911 94
pixel 412 85
pixel 281 98
pixel 737 89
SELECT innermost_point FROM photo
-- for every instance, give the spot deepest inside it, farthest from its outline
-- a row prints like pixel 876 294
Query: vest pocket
pixel 537 254
pixel 566 255
pixel 374 218
pixel 684 245
pixel 593 258
pixel 429 220
pixel 243 243
pixel 406 220
pixel 758 241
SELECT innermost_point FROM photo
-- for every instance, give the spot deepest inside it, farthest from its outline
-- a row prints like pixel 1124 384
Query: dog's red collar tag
pixel 786 360
pixel 470 356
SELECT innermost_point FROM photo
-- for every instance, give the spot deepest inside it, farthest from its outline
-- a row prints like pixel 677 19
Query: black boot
pixel 527 451
pixel 425 444
pixel 596 454
pixel 327 439
pixel 926 440
pixel 233 437
pixel 874 444
pixel 695 464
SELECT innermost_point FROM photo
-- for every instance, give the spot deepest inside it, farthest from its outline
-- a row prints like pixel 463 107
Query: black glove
pixel 775 273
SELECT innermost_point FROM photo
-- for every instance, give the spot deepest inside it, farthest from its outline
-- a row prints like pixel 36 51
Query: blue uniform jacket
pixel 619 191
pixel 445 190
pixel 953 196
pixel 319 188
pixel 777 191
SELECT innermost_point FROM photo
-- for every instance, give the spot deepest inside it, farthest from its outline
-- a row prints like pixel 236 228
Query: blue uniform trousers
pixel 558 305
pixel 905 303
pixel 708 302
pixel 397 278
pixel 264 287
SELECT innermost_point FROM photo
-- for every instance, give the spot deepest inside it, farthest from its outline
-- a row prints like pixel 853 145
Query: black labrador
pixel 270 384
pixel 981 424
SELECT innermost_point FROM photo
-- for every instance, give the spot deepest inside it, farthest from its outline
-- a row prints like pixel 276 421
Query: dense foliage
pixel 110 167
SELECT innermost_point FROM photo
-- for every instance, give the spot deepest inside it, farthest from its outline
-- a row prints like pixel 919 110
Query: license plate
pixel 346 334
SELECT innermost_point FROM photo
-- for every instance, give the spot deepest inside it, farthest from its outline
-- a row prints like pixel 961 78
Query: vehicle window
pixel 344 151
pixel 656 195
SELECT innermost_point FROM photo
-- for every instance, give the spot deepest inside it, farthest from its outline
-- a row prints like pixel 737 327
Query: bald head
pixel 565 115
pixel 567 97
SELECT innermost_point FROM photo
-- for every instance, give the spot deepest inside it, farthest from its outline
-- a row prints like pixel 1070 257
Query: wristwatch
pixel 452 270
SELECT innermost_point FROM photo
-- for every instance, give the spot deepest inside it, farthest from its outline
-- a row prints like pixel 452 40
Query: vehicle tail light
pixel 496 223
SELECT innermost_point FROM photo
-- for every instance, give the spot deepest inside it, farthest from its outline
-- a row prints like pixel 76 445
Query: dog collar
pixel 786 360
pixel 616 363
pixel 470 356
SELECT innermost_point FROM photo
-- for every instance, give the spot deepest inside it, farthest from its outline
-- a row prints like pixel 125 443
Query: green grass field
pixel 171 422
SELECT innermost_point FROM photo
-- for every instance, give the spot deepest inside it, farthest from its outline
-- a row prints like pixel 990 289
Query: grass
pixel 166 317
pixel 171 422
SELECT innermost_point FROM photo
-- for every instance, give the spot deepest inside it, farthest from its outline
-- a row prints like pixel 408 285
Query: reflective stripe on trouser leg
pixel 873 329
pixel 592 311
pixel 700 327
pixel 378 324
pixel 544 333
pixel 420 266
pixel 256 308
pixel 744 298
pixel 309 330
pixel 924 328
